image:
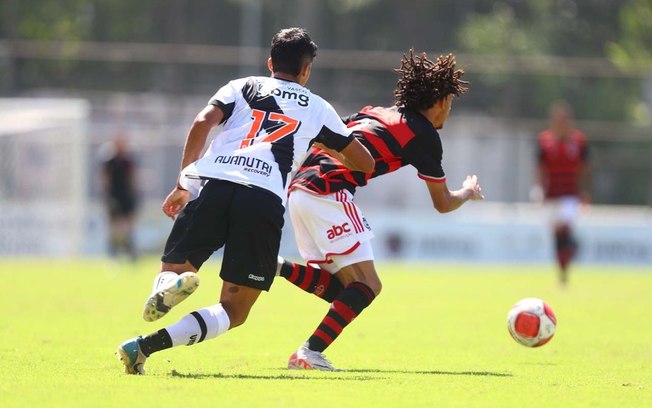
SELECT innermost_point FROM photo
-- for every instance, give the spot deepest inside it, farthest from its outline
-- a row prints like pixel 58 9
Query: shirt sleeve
pixel 349 118
pixel 225 99
pixel 334 134
pixel 425 152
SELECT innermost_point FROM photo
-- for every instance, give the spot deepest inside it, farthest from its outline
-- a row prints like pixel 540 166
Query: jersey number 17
pixel 284 126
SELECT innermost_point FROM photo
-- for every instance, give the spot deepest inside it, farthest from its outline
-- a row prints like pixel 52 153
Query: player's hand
pixel 471 184
pixel 175 201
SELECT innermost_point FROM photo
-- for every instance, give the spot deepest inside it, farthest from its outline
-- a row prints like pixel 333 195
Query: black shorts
pixel 120 206
pixel 245 220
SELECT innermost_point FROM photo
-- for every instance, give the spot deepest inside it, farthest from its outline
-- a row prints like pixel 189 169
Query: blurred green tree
pixel 632 53
pixel 549 27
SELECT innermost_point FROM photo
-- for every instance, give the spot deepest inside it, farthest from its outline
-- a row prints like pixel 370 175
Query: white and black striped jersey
pixel 268 125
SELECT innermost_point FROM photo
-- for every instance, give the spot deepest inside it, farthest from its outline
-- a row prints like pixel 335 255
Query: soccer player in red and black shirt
pixel 564 178
pixel 331 232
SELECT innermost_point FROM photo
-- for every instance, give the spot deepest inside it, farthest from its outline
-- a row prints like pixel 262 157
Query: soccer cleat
pixel 306 359
pixel 169 295
pixel 131 356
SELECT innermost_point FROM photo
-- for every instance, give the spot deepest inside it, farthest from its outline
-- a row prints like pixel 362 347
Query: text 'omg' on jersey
pixel 267 127
pixel 395 137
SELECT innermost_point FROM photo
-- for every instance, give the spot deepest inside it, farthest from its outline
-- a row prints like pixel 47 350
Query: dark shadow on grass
pixel 433 372
pixel 335 376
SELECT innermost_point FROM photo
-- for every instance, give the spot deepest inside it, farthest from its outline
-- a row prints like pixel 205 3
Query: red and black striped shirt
pixel 394 136
pixel 562 161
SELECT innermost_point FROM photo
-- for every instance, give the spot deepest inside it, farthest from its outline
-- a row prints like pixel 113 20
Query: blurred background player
pixel 564 180
pixel 268 124
pixel 331 231
pixel 118 181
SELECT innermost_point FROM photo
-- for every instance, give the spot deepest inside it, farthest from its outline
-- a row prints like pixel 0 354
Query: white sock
pixel 279 263
pixel 198 326
pixel 162 279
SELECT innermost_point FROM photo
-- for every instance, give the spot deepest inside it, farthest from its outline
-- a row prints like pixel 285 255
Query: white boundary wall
pixel 513 232
pixel 43 165
pixel 477 232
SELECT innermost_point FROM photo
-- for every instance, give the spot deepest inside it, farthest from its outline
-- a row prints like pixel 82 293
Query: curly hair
pixel 422 82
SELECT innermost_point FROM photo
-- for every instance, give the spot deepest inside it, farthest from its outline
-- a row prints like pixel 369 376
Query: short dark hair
pixel 422 82
pixel 292 48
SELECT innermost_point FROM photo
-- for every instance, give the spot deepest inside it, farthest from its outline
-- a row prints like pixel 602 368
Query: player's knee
pixel 237 314
pixel 363 272
pixel 372 280
pixel 376 286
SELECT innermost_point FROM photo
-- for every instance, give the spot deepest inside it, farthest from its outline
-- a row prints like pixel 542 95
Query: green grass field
pixel 435 337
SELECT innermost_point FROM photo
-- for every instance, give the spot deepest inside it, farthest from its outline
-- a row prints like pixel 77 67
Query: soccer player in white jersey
pixel 238 190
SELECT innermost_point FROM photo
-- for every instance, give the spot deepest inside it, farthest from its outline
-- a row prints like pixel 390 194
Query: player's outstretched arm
pixel 445 200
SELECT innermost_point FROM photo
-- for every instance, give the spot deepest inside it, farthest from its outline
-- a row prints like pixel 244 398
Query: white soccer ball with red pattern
pixel 531 322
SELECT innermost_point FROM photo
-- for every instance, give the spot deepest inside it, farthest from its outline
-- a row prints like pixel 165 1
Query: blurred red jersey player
pixel 563 175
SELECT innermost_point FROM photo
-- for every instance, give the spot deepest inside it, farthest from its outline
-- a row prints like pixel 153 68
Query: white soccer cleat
pixel 306 359
pixel 170 294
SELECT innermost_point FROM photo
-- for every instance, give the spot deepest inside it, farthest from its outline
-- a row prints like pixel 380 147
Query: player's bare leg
pixel 115 236
pixel 171 286
pixel 128 238
pixel 238 300
pixel 361 286
pixel 364 272
pixel 565 250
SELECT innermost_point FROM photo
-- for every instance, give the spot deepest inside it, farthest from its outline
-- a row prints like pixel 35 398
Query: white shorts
pixel 563 209
pixel 330 230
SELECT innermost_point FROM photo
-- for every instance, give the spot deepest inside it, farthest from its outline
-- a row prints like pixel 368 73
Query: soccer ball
pixel 531 322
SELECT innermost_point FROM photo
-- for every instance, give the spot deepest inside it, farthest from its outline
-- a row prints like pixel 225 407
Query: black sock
pixel 155 342
pixel 346 307
pixel 312 280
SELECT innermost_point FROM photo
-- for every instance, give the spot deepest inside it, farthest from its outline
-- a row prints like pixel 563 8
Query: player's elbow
pixel 358 158
pixel 442 207
pixel 367 165
pixel 210 116
pixel 443 210
pixel 202 121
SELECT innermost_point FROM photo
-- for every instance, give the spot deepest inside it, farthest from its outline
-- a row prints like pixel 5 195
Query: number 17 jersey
pixel 268 125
